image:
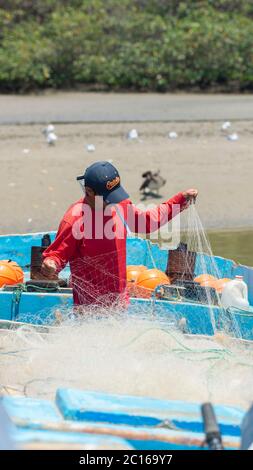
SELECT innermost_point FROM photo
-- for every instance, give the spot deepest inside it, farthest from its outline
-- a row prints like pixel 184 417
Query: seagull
pixel 226 125
pixel 132 135
pixel 50 128
pixel 233 137
pixel 49 133
pixel 51 138
pixel 172 135
pixel 152 183
pixel 90 148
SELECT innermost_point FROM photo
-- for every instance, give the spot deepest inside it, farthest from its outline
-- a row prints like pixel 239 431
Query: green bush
pixel 128 44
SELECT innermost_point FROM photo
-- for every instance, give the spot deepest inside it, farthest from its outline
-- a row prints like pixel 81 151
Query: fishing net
pixel 171 341
pixel 181 271
pixel 134 356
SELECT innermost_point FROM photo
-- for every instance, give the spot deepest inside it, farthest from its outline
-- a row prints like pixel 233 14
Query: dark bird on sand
pixel 152 183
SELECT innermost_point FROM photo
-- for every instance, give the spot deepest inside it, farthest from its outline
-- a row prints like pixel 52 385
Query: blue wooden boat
pixel 95 420
pixel 80 419
pixel 39 308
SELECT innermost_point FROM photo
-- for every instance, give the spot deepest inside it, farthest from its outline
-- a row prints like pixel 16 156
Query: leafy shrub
pixel 128 44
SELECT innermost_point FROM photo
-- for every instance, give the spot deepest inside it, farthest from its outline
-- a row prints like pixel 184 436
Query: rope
pixel 17 293
pixel 216 354
pixel 150 253
pixel 15 302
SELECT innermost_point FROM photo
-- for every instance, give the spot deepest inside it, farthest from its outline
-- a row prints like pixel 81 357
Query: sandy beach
pixel 38 182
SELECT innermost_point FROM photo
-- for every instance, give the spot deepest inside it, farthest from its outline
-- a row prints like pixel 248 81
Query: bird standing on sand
pixel 152 183
pixel 50 135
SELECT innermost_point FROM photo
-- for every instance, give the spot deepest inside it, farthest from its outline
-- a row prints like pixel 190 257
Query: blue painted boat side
pixel 139 411
pixel 152 438
pixel 197 315
pixel 18 247
pixel 39 421
pixel 39 308
pixel 34 308
pixel 31 409
pixel 86 441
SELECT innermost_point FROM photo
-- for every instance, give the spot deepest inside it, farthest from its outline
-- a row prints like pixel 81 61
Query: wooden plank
pixel 130 433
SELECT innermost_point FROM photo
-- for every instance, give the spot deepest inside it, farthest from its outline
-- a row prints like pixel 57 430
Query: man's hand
pixel 49 269
pixel 190 195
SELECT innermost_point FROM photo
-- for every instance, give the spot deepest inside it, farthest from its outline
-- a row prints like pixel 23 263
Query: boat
pixel 80 419
pixel 85 420
pixel 39 306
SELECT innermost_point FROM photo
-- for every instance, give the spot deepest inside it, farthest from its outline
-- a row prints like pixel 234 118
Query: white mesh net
pixel 135 356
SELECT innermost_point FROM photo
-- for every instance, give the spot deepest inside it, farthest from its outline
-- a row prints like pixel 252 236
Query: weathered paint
pixel 38 421
pixel 139 411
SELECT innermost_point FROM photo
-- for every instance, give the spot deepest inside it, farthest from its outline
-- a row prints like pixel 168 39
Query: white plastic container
pixel 235 294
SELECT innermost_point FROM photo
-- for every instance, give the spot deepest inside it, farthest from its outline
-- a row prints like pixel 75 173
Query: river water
pixel 236 245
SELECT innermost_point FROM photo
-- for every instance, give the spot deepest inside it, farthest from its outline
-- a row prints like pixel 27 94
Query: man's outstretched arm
pixel 151 220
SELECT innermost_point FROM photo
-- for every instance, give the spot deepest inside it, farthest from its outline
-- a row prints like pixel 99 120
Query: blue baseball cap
pixel 104 179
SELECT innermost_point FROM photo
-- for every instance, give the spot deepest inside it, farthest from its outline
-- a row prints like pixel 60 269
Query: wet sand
pixel 37 186
pixel 66 107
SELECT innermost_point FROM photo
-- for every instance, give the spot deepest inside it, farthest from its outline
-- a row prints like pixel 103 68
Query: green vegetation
pixel 144 45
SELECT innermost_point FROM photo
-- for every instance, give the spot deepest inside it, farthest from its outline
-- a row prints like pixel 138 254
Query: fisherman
pixel 92 236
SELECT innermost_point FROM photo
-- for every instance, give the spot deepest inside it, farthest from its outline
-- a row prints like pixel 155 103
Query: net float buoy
pixel 220 284
pixel 10 273
pixel 210 283
pixel 204 278
pixel 148 280
pixel 133 272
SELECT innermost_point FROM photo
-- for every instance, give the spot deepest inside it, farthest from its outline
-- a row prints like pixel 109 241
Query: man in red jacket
pixel 92 236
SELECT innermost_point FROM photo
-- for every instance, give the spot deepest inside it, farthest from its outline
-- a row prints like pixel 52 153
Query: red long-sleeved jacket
pixel 98 263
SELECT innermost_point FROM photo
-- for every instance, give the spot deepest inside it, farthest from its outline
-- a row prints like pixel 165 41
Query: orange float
pixel 148 280
pixel 133 272
pixel 210 283
pixel 220 284
pixel 204 278
pixel 10 273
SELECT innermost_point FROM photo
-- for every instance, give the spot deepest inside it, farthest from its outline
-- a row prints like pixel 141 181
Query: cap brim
pixel 116 196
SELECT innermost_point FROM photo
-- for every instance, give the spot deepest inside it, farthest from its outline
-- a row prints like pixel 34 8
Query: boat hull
pixel 42 308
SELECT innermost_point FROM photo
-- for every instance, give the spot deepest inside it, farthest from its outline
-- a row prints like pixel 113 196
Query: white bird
pixel 90 148
pixel 172 135
pixel 50 128
pixel 51 138
pixel 233 137
pixel 226 125
pixel 132 135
